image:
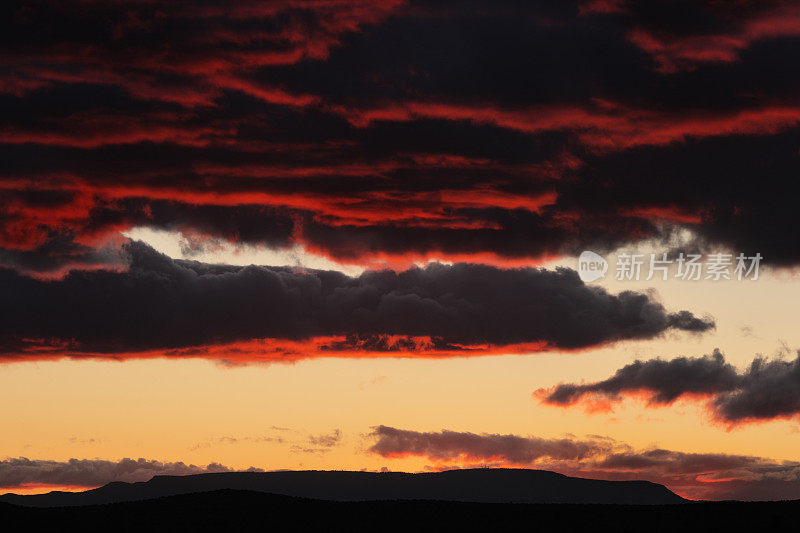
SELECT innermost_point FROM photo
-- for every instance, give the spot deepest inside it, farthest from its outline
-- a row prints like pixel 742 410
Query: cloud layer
pixel 164 304
pixel 766 390
pixel 501 133
pixel 694 475
pixel 22 472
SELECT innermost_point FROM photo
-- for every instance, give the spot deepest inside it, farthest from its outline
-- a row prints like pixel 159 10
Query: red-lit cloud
pixel 168 308
pixel 673 52
pixel 766 390
pixel 322 124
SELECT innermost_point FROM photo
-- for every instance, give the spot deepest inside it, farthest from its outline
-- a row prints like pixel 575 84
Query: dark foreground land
pixel 236 510
pixel 486 500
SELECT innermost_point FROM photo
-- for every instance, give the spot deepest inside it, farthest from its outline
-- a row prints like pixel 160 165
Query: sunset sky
pixel 344 234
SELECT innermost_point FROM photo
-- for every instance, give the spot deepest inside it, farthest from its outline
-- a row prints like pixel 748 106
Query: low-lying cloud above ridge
pixel 693 475
pixel 161 306
pixel 26 473
pixel 765 390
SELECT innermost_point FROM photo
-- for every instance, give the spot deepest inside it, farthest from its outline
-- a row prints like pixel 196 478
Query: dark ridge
pixel 477 485
pixel 234 510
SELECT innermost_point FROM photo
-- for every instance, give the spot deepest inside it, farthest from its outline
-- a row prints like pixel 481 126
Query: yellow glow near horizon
pixel 198 411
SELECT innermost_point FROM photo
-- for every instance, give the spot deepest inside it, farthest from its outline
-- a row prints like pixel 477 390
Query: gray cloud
pixel 667 380
pixel 18 472
pixel 326 441
pixel 160 303
pixel 767 389
pixel 451 445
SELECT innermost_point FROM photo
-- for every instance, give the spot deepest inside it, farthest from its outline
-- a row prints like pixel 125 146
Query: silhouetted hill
pixel 481 485
pixel 230 510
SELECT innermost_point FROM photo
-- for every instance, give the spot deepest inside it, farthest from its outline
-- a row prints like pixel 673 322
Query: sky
pixel 344 234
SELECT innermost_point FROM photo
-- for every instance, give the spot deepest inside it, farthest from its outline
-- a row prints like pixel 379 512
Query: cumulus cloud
pixel 766 390
pixel 160 303
pixel 21 471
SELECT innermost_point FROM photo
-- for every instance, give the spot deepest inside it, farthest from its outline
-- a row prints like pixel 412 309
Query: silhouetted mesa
pixel 478 486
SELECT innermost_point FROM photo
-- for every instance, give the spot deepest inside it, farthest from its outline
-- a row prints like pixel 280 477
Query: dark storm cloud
pixel 250 224
pixel 59 253
pixel 684 35
pixel 404 129
pixel 731 183
pixel 162 303
pixel 696 475
pixel 766 390
pixel 19 472
pixel 668 380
